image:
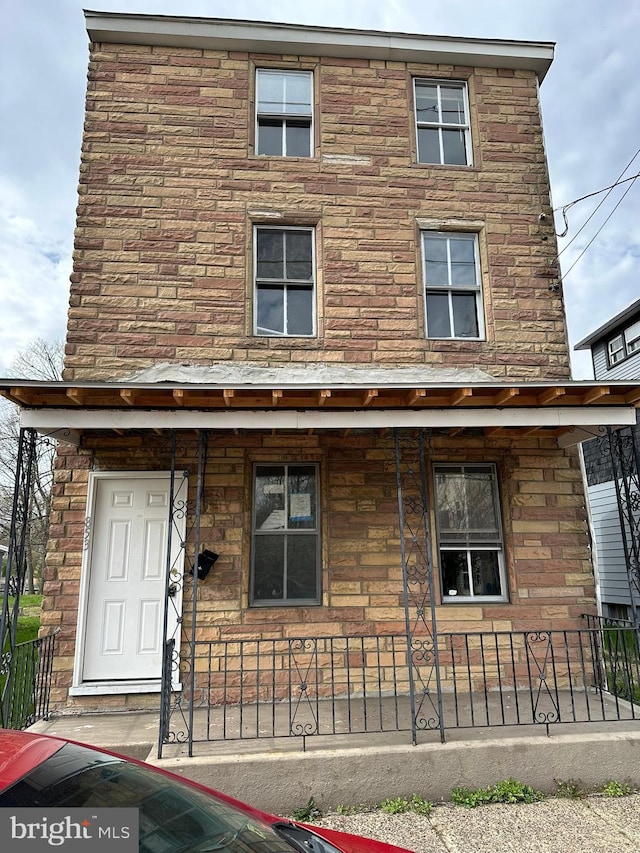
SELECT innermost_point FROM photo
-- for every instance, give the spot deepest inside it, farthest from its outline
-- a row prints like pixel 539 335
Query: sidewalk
pixel 594 825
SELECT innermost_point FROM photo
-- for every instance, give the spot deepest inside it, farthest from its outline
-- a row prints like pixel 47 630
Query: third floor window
pixel 442 123
pixel 284 113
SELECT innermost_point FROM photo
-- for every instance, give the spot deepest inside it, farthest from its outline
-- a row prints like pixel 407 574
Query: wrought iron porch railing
pixel 25 681
pixel 302 687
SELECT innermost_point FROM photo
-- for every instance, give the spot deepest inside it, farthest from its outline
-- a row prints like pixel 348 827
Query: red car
pixel 175 815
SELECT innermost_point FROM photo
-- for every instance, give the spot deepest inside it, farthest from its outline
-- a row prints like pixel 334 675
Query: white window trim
pixel 466 127
pixel 479 292
pixel 284 116
pixel 499 549
pixel 314 306
pixel 316 531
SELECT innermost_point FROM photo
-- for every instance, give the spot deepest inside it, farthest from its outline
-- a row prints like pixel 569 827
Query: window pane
pixel 427 103
pixel 298 139
pixel 269 497
pixel 466 504
pixel 270 254
pixel 485 571
pixel 465 319
pixel 435 261
pixel 438 315
pixel 463 261
pixel 268 568
pixel 299 311
pixel 270 137
pixel 302 497
pixel 298 255
pixel 297 92
pixel 270 92
pixel 270 310
pixel 301 566
pixel 428 145
pixel 452 105
pixel 455 573
pixel 455 151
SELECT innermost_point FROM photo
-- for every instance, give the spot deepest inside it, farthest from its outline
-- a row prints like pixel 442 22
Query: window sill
pixel 107 688
pixel 475 599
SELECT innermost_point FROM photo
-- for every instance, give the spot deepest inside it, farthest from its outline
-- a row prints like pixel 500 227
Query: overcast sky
pixel 590 106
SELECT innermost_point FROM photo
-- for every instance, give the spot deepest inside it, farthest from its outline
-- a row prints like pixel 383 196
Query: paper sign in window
pixel 274 521
pixel 300 507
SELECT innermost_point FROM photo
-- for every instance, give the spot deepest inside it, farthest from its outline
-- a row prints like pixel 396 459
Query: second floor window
pixel 284 113
pixel 453 294
pixel 284 300
pixel 442 123
pixel 624 344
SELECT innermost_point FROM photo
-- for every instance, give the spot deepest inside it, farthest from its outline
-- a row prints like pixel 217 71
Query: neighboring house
pixel 306 260
pixel 615 351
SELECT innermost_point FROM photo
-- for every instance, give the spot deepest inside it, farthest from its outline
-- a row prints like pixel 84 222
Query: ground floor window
pixel 470 542
pixel 286 535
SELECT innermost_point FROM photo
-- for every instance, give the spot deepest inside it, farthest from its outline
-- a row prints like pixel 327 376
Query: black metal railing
pixel 314 686
pixel 25 679
pixel 620 656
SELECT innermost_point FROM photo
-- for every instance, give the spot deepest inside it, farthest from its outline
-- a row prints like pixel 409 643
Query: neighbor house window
pixel 624 344
pixel 286 535
pixel 284 114
pixel 453 292
pixel 442 123
pixel 284 282
pixel 469 532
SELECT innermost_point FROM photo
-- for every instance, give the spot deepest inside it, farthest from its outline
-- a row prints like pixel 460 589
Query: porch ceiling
pixel 570 411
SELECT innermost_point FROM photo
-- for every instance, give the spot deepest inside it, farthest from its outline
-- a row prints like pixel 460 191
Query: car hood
pixel 353 843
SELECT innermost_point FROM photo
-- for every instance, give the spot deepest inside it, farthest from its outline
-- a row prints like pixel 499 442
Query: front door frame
pixel 94 688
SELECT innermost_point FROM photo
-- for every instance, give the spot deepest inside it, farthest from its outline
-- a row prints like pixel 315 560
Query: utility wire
pixel 620 200
pixel 608 190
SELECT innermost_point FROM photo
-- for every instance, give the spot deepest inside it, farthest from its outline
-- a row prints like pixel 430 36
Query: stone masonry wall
pixel 548 565
pixel 170 191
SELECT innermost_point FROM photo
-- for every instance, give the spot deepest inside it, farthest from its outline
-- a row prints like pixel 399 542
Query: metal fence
pixel 25 679
pixel 303 687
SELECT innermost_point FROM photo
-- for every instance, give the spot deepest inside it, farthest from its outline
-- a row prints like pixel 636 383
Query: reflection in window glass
pixel 442 124
pixel 284 113
pixel 452 285
pixel 284 282
pixel 286 536
pixel 469 531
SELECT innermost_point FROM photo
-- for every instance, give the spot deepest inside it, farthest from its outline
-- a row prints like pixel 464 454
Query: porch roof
pixel 568 411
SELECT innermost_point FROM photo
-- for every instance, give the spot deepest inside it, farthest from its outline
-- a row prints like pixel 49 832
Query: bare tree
pixel 39 360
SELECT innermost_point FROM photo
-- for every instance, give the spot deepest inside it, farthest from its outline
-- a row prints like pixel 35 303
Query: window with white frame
pixel 284 282
pixel 469 532
pixel 286 535
pixel 453 291
pixel 624 344
pixel 284 113
pixel 442 123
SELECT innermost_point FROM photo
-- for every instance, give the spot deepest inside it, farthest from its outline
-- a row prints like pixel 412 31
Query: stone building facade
pixel 302 240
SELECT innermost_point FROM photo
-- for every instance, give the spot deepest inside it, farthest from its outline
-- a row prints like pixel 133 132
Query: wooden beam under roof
pixel 323 395
pixel 416 395
pixel 369 396
pixel 596 394
pixel 276 394
pixel 129 396
pixel 227 395
pixel 550 395
pixel 76 395
pixel 179 395
pixel 460 396
pixel 506 396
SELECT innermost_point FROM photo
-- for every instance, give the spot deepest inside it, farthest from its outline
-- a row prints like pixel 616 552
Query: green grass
pixel 22 687
pixel 507 791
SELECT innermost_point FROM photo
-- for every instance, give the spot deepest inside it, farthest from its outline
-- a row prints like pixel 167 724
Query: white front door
pixel 126 578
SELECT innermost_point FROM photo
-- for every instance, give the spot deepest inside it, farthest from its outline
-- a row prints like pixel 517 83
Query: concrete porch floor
pixel 276 774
